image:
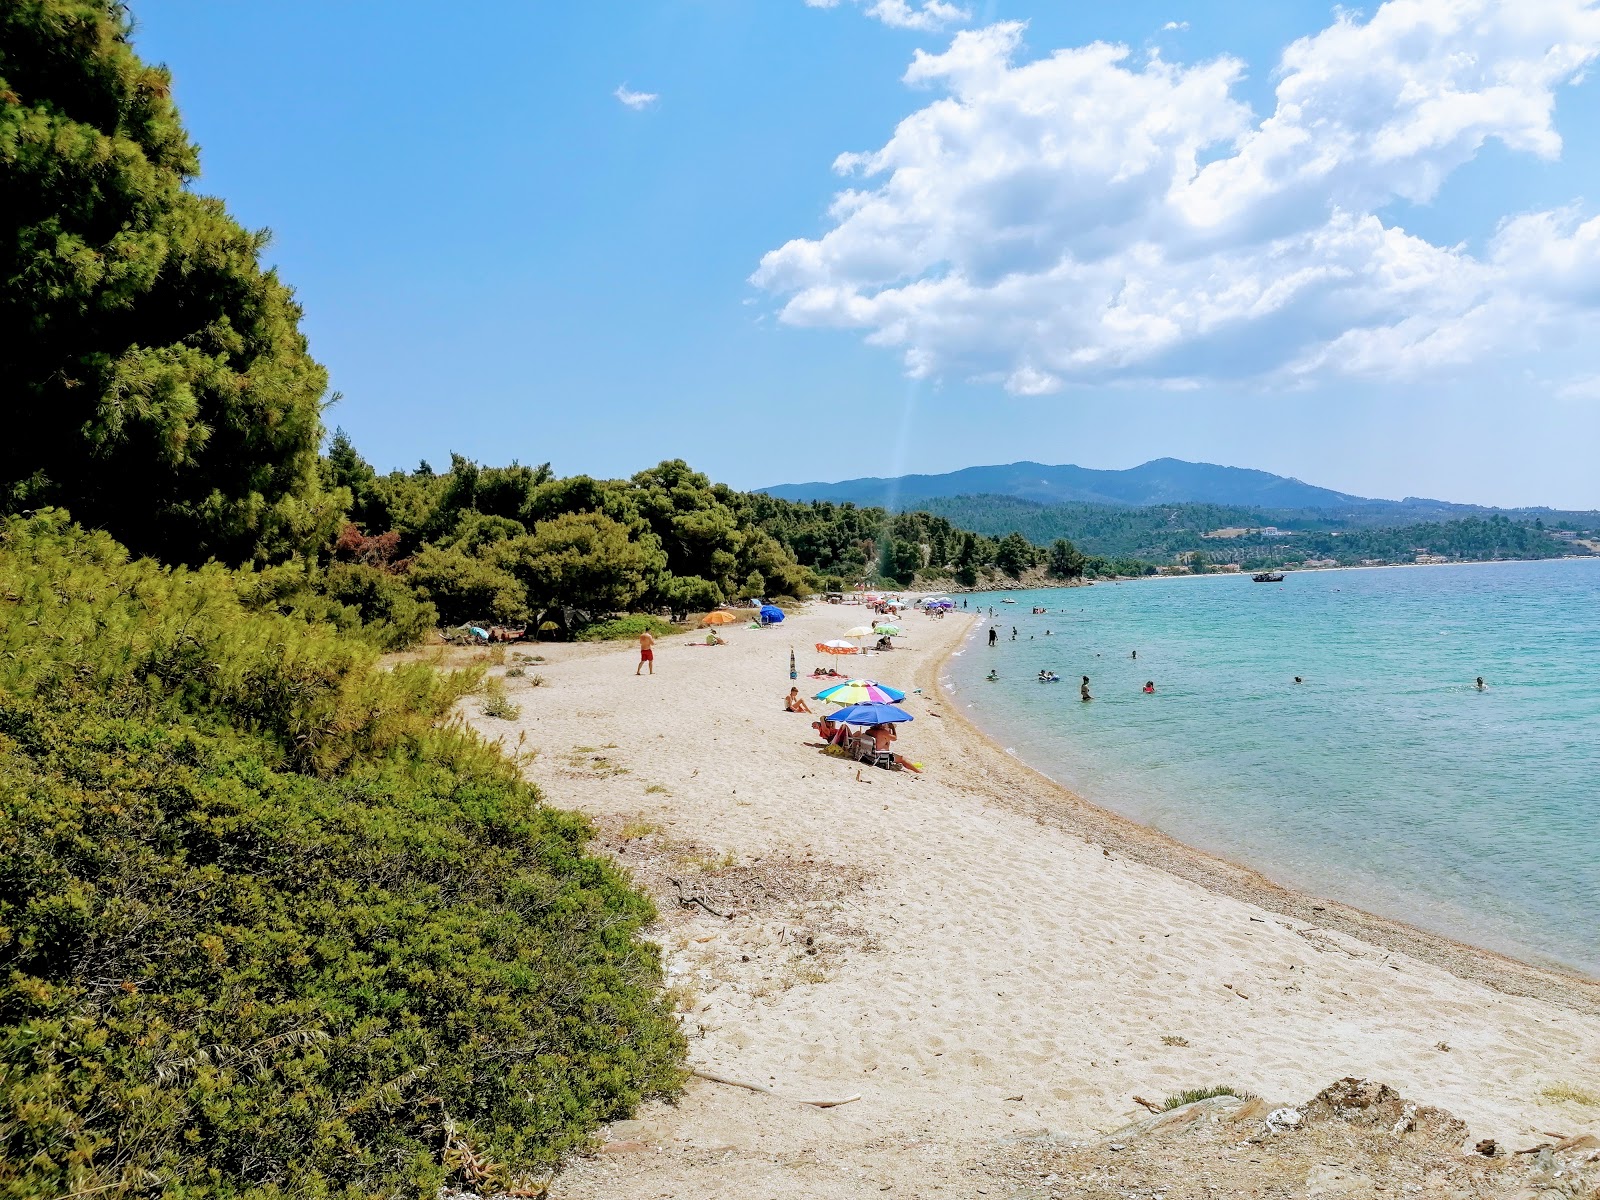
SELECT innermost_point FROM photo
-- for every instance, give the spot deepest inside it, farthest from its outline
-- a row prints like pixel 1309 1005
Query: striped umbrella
pixel 861 691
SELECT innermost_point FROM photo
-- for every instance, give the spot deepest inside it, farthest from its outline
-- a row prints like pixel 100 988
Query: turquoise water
pixel 1385 780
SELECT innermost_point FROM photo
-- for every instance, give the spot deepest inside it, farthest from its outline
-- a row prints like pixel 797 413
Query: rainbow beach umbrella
pixel 861 691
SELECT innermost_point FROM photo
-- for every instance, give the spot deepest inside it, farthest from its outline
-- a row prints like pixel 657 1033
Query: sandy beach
pixel 975 953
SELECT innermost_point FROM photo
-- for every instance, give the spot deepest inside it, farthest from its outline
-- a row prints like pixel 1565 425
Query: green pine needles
pixel 271 924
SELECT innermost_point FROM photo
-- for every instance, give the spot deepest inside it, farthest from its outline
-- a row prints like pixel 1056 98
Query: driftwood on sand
pixel 761 1087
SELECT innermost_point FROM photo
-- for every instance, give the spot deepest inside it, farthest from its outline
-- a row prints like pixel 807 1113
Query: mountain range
pixel 1159 481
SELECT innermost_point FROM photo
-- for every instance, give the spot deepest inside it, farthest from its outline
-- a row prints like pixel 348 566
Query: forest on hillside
pixel 1169 533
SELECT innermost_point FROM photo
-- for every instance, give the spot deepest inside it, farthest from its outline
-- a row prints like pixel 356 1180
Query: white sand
pixel 999 972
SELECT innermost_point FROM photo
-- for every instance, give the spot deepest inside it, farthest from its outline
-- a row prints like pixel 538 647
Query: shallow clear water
pixel 1385 779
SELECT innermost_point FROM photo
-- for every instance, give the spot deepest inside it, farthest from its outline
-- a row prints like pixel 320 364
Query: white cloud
pixel 635 100
pixel 1174 26
pixel 1081 217
pixel 1584 387
pixel 927 16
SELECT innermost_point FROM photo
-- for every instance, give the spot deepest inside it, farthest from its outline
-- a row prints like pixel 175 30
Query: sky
pixel 791 240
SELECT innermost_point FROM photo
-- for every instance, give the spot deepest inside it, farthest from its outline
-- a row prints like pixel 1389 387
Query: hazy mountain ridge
pixel 1159 481
pixel 1162 480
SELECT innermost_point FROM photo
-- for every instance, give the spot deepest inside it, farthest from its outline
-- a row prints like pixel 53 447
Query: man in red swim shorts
pixel 647 654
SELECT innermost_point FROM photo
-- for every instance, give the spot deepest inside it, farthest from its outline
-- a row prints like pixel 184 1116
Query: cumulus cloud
pixel 1175 26
pixel 635 100
pixel 1082 217
pixel 928 16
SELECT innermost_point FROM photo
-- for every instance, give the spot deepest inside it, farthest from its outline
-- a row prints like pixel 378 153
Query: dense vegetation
pixel 271 923
pixel 514 544
pixel 267 926
pixel 164 388
pixel 1169 532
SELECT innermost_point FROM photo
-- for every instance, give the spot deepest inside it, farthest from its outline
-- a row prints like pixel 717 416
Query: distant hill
pixel 1160 481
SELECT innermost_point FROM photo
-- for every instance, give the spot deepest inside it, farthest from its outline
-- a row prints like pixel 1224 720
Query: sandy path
pixel 989 956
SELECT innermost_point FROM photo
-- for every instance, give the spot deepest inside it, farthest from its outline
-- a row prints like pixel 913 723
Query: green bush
pixel 391 614
pixel 497 702
pixel 269 926
pixel 464 587
pixel 353 598
pixel 625 627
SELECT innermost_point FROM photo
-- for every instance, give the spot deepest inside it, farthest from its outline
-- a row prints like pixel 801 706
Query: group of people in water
pixel 1149 689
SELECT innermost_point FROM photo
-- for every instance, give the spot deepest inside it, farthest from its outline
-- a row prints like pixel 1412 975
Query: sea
pixel 1385 779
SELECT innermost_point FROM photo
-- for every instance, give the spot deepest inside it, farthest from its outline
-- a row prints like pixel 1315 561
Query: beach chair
pixel 866 752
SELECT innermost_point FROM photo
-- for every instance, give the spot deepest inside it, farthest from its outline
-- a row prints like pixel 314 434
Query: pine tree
pixel 158 383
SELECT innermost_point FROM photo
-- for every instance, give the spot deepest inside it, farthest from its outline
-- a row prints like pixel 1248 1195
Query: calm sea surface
pixel 1384 780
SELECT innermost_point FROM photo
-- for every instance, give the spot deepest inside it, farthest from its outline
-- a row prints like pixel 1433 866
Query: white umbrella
pixel 858 631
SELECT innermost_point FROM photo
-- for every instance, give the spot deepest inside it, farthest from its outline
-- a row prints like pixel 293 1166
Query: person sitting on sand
pixel 1149 687
pixel 795 702
pixel 830 731
pixel 1083 689
pixel 882 735
pixel 713 640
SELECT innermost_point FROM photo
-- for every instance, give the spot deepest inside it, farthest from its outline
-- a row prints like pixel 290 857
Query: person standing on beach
pixel 994 636
pixel 1083 689
pixel 647 653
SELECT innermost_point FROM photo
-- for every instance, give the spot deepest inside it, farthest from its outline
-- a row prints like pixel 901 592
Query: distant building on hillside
pixel 1239 531
pixel 1564 535
pixel 1322 562
pixel 1175 569
pixel 1424 559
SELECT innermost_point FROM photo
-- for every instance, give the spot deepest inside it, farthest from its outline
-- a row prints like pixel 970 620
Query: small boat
pixel 1008 602
pixel 1268 577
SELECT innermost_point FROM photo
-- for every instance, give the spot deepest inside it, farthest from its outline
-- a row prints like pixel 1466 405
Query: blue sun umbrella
pixel 871 714
pixel 771 614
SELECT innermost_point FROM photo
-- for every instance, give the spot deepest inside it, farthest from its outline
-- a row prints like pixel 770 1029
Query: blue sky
pixel 1362 250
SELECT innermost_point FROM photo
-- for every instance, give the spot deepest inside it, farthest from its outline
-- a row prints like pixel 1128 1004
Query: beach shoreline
pixel 1216 872
pixel 973 954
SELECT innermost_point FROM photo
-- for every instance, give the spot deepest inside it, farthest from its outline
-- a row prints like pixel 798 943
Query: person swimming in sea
pixel 1135 654
pixel 1481 685
pixel 1297 679
pixel 993 676
pixel 1083 689
pixel 1149 687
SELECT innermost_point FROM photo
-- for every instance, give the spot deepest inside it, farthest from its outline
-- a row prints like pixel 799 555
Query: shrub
pixel 625 627
pixel 464 587
pixel 390 611
pixel 267 926
pixel 1179 1099
pixel 496 703
pixel 351 597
